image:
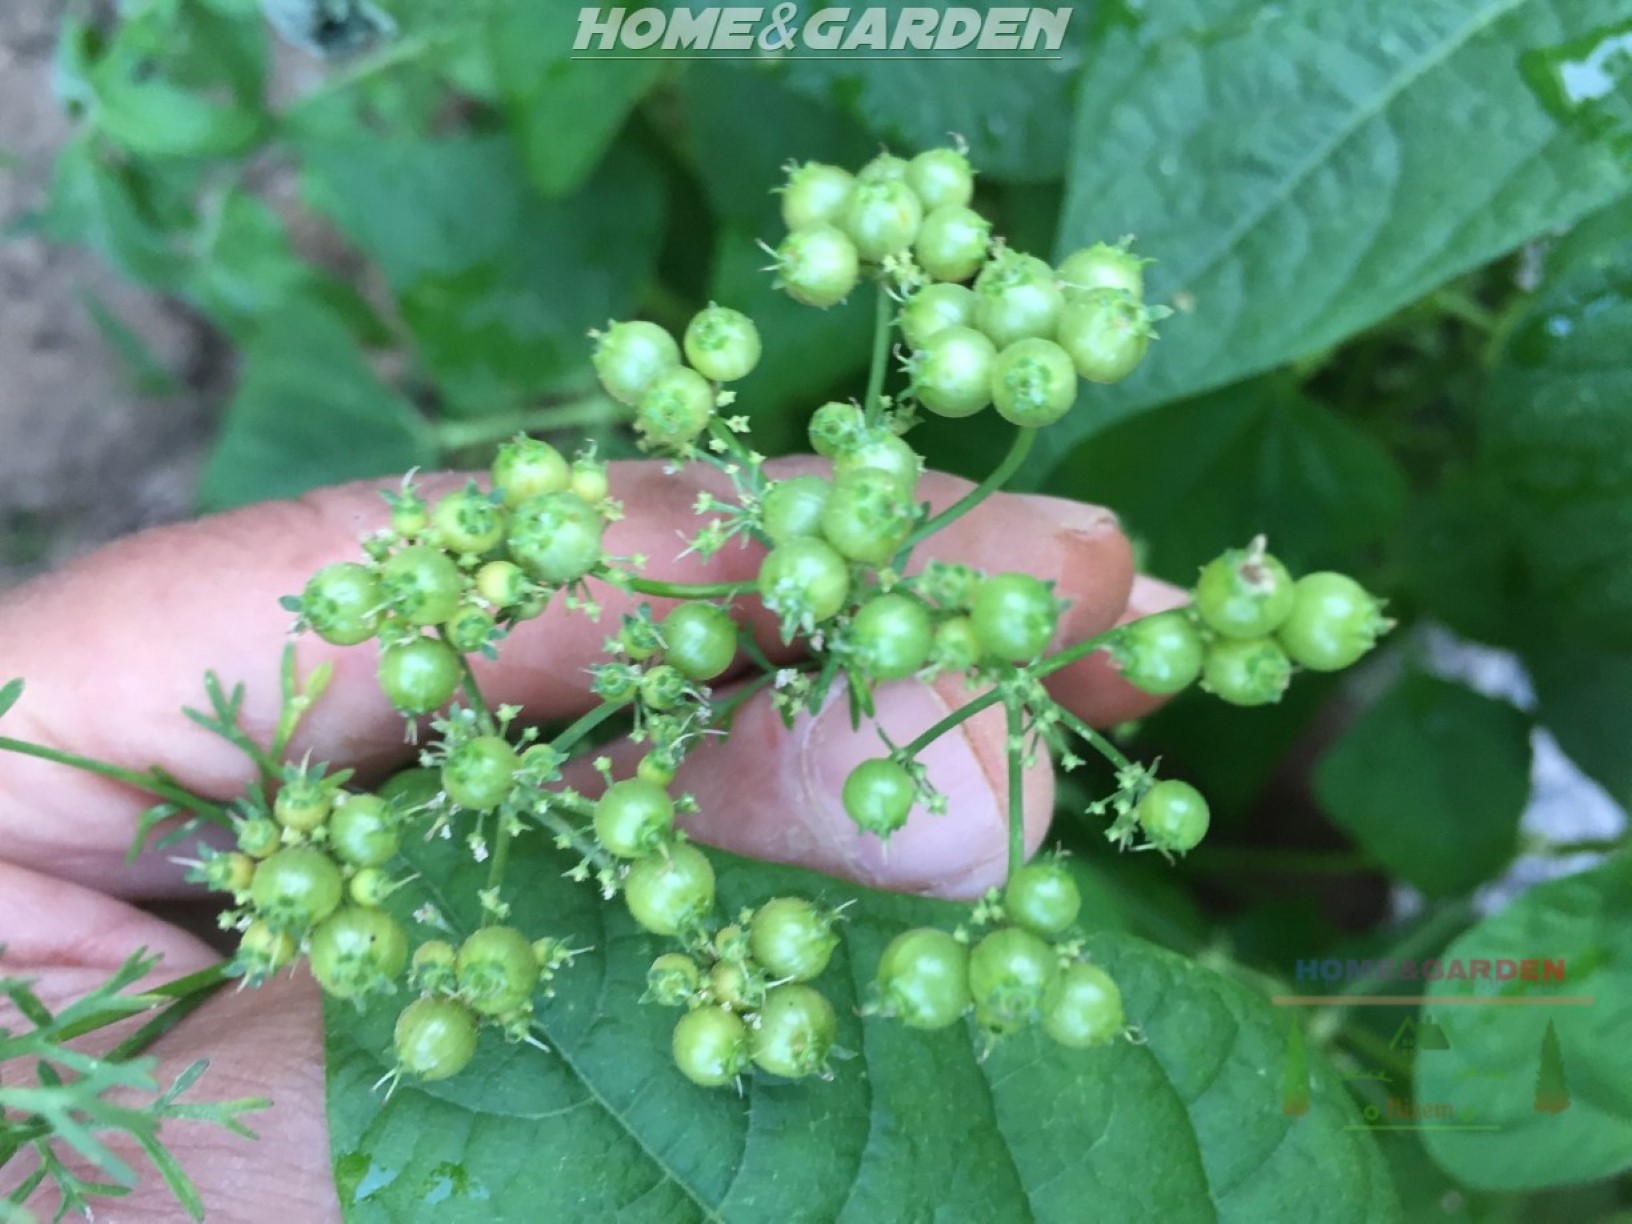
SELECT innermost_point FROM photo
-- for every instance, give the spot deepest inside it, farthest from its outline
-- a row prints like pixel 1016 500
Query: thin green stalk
pixel 589 411
pixel 1459 305
pixel 183 988
pixel 472 690
pixel 213 812
pixel 724 712
pixel 1096 739
pixel 1017 779
pixel 874 402
pixel 1018 450
pixel 501 855
pixel 958 716
pixel 578 730
pixel 401 52
pixel 1071 654
pixel 590 849
pixel 687 590
pixel 991 697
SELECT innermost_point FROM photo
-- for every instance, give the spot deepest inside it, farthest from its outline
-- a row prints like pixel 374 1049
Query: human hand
pixel 114 646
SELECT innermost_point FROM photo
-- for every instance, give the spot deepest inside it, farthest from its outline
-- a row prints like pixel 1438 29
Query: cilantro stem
pixel 1017 807
pixel 1096 739
pixel 503 836
pixel 472 690
pixel 874 402
pixel 591 410
pixel 999 476
pixel 148 782
pixel 1039 669
pixel 958 716
pixel 724 713
pixel 584 725
pixel 686 590
pixel 1071 654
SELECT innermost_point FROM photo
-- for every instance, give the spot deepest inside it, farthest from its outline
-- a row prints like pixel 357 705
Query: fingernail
pixel 1068 517
pixel 931 853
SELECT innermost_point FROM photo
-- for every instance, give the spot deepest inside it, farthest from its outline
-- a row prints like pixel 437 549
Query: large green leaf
pixel 564 110
pixel 1188 1125
pixel 1302 170
pixel 1432 781
pixel 1014 113
pixel 741 164
pixel 499 286
pixel 1548 1119
pixel 309 412
pixel 1556 433
pixel 1199 476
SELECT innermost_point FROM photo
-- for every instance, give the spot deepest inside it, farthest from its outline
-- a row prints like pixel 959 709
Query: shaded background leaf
pixel 309 412
pixel 1431 781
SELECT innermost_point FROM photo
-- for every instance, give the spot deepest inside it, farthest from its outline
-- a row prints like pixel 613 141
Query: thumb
pixel 775 793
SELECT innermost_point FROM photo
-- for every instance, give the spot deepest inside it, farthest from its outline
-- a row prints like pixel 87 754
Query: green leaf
pixel 499 287
pixel 563 111
pixel 154 118
pixel 1462 567
pixel 1556 433
pixel 603 1127
pixel 110 208
pixel 1303 171
pixel 1431 781
pixel 740 164
pixel 179 84
pixel 1015 113
pixel 144 370
pixel 1258 457
pixel 1490 1073
pixel 249 271
pixel 9 693
pixel 1584 698
pixel 808 354
pixel 1232 754
pixel 309 412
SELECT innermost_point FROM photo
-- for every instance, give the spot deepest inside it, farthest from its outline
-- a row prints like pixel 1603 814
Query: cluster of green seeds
pixel 445 582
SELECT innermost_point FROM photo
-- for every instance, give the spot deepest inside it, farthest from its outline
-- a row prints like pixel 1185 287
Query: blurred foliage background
pixel 1397 242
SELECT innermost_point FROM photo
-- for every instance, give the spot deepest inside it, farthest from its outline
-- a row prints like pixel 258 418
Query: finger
pixel 1092 688
pixel 80 935
pixel 776 793
pixel 260 1043
pixel 266 1043
pixel 114 646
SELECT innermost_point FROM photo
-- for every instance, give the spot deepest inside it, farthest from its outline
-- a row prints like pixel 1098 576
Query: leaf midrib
pixel 571 1064
pixel 1322 152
